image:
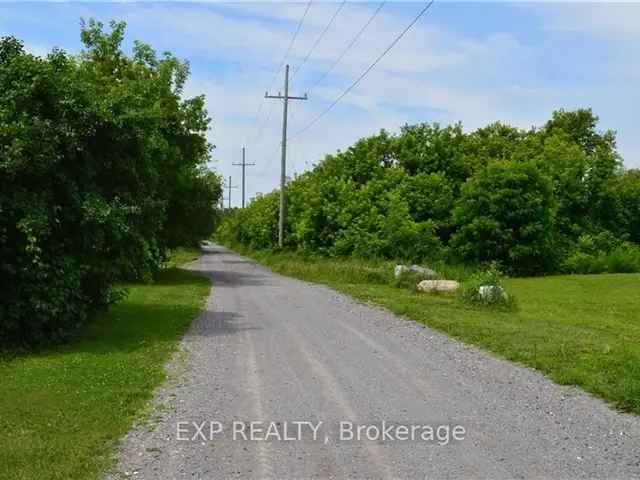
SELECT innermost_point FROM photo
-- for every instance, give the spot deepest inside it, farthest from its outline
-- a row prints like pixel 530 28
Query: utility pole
pixel 283 163
pixel 230 186
pixel 243 165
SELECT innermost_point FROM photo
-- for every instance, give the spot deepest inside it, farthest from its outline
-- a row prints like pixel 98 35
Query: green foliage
pixel 602 253
pixel 101 165
pixel 621 205
pixel 255 227
pixel 432 193
pixel 624 259
pixel 486 287
pixel 69 405
pixel 505 213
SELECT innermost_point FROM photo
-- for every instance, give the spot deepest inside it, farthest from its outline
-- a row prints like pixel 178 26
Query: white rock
pixel 427 272
pixel 491 292
pixel 399 270
pixel 438 286
pixel 402 269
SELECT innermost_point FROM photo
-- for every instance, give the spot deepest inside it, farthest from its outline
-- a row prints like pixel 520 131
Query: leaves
pixel 102 165
pixel 520 197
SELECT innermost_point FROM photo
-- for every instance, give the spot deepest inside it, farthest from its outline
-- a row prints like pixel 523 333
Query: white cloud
pixel 434 73
pixel 612 21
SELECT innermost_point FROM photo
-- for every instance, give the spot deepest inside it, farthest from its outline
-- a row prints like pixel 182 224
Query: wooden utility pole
pixel 244 164
pixel 283 163
pixel 230 186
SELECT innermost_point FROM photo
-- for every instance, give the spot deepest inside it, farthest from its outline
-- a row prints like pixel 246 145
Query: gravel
pixel 273 349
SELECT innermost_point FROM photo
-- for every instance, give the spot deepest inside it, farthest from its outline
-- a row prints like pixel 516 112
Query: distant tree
pixel 430 148
pixel 430 197
pixel 524 197
pixel 191 212
pixel 580 126
pixel 567 166
pixel 496 141
pixel 621 201
pixel 506 214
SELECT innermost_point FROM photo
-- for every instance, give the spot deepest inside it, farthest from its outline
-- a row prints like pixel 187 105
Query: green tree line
pixel 538 201
pixel 102 166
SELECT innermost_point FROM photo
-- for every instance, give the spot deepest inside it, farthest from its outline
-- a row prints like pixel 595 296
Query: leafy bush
pixel 584 263
pixel 486 287
pixel 505 213
pixel 101 167
pixel 431 193
pixel 624 259
pixel 600 253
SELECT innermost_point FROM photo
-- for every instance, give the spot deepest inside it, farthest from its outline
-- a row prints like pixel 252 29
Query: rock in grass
pixel 492 293
pixel 424 271
pixel 400 270
pixel 416 269
pixel 438 286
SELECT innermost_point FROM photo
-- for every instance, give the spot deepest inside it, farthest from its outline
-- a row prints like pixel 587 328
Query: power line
pixel 284 59
pixel 319 39
pixel 349 46
pixel 293 39
pixel 367 70
pixel 264 124
pixel 338 59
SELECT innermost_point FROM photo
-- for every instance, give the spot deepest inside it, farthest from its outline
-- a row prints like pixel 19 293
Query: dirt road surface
pixel 273 349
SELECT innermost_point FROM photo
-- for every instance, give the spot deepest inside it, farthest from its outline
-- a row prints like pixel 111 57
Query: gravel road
pixel 273 349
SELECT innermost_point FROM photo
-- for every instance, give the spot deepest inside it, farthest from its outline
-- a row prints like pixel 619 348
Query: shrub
pixel 600 253
pixel 624 259
pixel 486 288
pixel 519 197
pixel 505 214
pixel 100 164
pixel 583 263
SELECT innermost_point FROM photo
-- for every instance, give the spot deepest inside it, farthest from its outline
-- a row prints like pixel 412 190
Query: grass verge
pixel 62 411
pixel 181 256
pixel 581 330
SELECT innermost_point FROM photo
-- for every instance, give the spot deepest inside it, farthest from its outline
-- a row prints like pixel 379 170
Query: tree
pixel 429 148
pixel 621 201
pixel 430 197
pixel 98 154
pixel 566 164
pixel 523 197
pixel 505 214
pixel 580 126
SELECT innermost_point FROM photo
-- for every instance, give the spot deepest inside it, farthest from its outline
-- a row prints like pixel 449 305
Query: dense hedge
pixel 101 165
pixel 523 198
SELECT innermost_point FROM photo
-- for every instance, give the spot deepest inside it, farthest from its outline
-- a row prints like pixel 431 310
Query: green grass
pixel 62 411
pixel 181 256
pixel 578 329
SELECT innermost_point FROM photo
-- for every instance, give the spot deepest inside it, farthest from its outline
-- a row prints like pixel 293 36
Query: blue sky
pixel 474 62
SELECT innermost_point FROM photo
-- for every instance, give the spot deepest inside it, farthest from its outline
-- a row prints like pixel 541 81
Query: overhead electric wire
pixel 366 71
pixel 319 39
pixel 342 54
pixel 284 59
pixel 293 39
pixel 349 46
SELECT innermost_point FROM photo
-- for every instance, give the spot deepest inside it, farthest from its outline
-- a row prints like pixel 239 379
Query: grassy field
pixel 62 411
pixel 582 330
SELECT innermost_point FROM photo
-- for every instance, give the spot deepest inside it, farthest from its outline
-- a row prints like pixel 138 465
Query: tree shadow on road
pixel 236 279
pixel 222 323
